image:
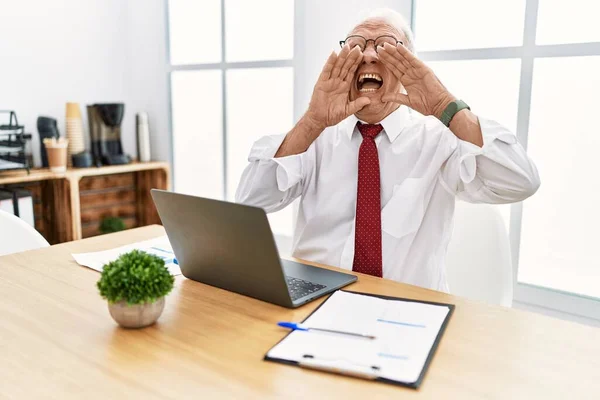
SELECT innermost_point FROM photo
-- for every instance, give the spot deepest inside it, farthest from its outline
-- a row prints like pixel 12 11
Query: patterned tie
pixel 367 236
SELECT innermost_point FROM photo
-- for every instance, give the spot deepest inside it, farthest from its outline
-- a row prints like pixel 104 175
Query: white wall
pixel 115 50
pixel 149 75
pixel 320 25
pixel 88 52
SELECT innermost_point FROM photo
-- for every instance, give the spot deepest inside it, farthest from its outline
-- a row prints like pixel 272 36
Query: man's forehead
pixel 374 28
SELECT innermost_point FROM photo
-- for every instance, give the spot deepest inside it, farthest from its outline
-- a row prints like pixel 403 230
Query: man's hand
pixel 330 103
pixel 425 92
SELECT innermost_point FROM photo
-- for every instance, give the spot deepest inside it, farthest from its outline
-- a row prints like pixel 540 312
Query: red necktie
pixel 367 235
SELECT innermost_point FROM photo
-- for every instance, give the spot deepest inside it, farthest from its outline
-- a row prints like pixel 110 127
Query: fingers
pixel 326 72
pixel 408 56
pixel 399 98
pixel 354 58
pixel 390 53
pixel 340 62
pixel 350 76
pixel 392 64
pixel 357 105
pixel 403 55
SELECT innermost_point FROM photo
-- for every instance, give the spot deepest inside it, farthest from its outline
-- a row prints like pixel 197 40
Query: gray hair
pixel 394 19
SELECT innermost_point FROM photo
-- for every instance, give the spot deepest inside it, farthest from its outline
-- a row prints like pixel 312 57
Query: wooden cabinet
pixel 71 205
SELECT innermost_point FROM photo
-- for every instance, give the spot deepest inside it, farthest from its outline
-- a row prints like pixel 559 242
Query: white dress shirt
pixel 423 167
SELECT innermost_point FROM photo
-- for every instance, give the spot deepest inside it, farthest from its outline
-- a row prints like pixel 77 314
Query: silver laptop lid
pixel 224 244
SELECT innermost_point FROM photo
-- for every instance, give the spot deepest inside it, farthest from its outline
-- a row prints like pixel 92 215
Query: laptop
pixel 231 246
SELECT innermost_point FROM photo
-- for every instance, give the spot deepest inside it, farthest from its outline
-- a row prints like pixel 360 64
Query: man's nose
pixel 370 55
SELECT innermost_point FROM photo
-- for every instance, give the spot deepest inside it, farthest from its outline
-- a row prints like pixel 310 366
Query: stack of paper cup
pixel 74 130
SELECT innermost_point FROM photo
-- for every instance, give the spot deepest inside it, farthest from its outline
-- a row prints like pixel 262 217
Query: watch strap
pixel 451 111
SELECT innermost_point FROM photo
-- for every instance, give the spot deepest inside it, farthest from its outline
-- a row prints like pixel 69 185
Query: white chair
pixel 478 261
pixel 17 235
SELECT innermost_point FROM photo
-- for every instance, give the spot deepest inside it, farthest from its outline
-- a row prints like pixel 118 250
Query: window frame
pixel 524 293
pixel 223 66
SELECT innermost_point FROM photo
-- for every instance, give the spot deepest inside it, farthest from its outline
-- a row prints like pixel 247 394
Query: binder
pixel 364 370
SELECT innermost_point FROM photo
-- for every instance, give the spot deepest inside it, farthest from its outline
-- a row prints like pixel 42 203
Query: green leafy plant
pixel 112 224
pixel 135 277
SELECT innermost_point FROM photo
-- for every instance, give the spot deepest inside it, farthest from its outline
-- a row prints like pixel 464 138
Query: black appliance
pixel 105 131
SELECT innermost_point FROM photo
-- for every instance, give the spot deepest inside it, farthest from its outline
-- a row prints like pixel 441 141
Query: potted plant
pixel 112 224
pixel 135 286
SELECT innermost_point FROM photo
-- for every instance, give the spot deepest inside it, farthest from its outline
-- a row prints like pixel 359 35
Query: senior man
pixel 377 187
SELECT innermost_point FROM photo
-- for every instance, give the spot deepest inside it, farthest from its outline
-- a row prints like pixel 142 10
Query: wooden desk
pixel 57 340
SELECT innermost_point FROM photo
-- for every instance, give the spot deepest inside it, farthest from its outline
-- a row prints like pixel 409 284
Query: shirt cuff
pixel 491 131
pixel 289 168
pixel 265 148
pixel 289 171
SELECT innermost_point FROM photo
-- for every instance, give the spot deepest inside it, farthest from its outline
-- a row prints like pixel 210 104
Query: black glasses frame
pixel 343 42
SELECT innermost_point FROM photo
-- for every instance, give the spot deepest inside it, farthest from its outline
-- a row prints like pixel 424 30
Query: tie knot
pixel 369 130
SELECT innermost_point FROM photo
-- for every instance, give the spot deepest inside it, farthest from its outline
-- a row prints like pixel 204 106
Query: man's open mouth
pixel 369 83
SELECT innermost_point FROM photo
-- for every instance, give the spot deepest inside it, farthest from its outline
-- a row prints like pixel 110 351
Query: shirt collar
pixel 392 124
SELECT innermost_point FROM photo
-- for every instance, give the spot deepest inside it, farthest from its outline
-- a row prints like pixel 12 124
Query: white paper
pixel 405 333
pixel 159 246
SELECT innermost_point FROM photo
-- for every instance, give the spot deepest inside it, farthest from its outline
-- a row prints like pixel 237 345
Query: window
pixel 469 24
pixel 196 102
pixel 232 78
pixel 559 233
pixel 532 65
pixel 575 21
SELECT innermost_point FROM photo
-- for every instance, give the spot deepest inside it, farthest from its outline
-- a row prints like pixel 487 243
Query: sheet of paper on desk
pixel 159 246
pixel 405 333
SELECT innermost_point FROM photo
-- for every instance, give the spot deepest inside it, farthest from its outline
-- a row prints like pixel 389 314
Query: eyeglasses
pixel 357 40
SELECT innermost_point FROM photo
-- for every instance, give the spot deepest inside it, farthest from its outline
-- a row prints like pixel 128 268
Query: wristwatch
pixel 451 111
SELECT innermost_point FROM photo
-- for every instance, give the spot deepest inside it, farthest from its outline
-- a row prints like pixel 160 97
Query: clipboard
pixel 365 371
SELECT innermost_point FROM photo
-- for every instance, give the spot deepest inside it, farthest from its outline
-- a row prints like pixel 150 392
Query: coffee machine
pixel 105 131
pixel 47 129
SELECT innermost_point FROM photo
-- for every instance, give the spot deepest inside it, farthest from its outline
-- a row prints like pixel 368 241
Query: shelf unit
pixel 70 205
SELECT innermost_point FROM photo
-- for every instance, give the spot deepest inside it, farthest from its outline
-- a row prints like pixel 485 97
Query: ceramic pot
pixel 137 315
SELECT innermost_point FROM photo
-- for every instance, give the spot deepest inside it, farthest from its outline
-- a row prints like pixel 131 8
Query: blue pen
pixel 166 251
pixel 300 327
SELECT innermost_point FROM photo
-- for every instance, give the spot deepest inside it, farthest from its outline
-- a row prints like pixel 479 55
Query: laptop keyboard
pixel 300 288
